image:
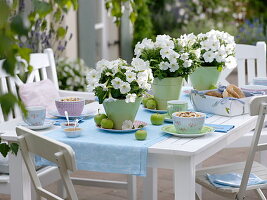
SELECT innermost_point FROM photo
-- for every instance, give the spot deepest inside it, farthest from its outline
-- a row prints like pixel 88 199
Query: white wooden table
pixel 180 154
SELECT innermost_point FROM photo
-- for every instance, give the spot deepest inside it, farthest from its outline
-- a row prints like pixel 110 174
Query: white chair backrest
pixel 251 62
pixel 43 68
pixel 60 154
pixel 257 106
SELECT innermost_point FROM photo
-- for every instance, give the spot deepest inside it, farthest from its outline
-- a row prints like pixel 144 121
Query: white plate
pixel 83 115
pixel 47 124
pixel 168 118
pixel 171 130
pixel 155 111
pixel 124 131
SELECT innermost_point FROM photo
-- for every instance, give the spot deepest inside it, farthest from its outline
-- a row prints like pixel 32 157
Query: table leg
pixel 20 183
pixel 151 184
pixel 199 187
pixel 131 190
pixel 184 178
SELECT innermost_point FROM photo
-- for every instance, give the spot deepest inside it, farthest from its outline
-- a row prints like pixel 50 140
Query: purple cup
pixel 74 108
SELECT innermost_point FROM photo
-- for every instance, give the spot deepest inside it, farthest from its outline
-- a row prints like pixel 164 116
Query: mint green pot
pixel 204 78
pixel 165 90
pixel 119 111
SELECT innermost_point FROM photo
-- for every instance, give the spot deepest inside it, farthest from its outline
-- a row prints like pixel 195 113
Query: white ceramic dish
pixel 171 130
pixel 47 124
pixel 155 111
pixel 125 131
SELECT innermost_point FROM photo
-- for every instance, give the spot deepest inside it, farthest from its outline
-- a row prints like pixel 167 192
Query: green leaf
pixel 133 17
pixel 57 15
pixel 4 13
pixel 227 110
pixel 14 148
pixel 8 102
pixel 61 32
pixel 18 25
pixel 42 8
pixel 4 149
pixel 75 4
pixel 25 53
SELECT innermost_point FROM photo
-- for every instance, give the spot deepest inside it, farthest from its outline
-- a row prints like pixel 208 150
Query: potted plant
pixel 120 87
pixel 217 52
pixel 170 60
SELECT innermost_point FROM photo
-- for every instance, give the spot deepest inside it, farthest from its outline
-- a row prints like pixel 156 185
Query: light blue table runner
pixel 103 151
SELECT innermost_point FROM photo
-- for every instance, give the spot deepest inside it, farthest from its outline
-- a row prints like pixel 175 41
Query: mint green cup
pixel 176 106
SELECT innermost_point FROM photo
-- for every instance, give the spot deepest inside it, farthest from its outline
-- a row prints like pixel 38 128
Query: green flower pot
pixel 204 78
pixel 119 111
pixel 166 89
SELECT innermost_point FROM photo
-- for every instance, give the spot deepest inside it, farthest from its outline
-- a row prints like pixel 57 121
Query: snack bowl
pixel 73 105
pixel 73 132
pixel 72 124
pixel 188 122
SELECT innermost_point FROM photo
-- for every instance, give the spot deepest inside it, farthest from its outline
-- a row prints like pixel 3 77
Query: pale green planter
pixel 204 78
pixel 119 111
pixel 165 90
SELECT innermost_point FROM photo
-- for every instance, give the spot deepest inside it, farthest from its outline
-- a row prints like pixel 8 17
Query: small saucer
pixel 47 124
pixel 155 111
pixel 136 123
pixel 171 130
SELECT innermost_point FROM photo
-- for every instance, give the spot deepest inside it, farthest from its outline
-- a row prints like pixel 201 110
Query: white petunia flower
pixel 165 52
pixel 209 56
pixel 125 87
pixel 116 82
pixel 127 124
pixel 220 55
pixel 91 86
pixel 142 76
pixel 230 62
pixel 173 67
pixel 164 65
pixel 173 57
pixel 187 63
pixel 130 76
pixel 130 98
pixel 139 64
pixel 184 56
pixel 102 65
pixel 104 87
pixel 93 76
pixel 197 52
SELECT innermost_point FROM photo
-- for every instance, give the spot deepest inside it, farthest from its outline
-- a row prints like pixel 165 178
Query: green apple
pixel 213 87
pixel 151 104
pixel 107 123
pixel 157 119
pixel 144 101
pixel 140 135
pixel 98 118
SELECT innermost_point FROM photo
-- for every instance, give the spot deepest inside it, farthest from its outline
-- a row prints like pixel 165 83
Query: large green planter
pixel 204 78
pixel 165 90
pixel 119 111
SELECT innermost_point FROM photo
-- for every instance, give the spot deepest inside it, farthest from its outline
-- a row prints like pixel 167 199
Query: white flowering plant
pixel 118 80
pixel 217 49
pixel 168 57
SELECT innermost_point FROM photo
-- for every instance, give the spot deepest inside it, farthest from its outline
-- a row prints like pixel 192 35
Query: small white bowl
pixel 71 125
pixel 188 125
pixel 73 132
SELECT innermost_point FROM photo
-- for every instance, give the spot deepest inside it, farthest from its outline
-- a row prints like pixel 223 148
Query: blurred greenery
pixel 15 26
pixel 246 19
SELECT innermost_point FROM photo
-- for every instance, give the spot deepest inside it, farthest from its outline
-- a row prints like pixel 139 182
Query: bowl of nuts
pixel 188 122
pixel 73 105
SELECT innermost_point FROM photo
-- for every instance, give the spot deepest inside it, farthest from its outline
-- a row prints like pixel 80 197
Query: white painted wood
pixel 131 187
pixel 243 168
pixel 251 65
pixel 60 154
pixel 241 72
pixel 184 178
pixel 150 184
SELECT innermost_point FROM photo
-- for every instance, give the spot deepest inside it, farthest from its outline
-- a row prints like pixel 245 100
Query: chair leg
pixel 260 194
pixel 131 187
pixel 61 191
pixel 197 197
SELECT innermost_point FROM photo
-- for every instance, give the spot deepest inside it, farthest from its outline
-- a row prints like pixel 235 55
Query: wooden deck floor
pixel 165 181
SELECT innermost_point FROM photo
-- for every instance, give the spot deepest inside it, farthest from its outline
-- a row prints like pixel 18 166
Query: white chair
pixel 250 59
pixel 258 107
pixel 61 154
pixel 44 68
